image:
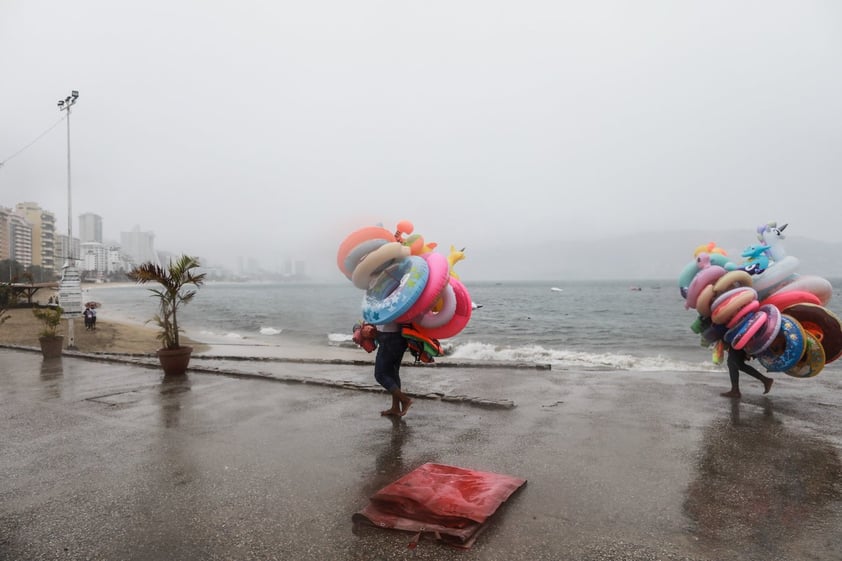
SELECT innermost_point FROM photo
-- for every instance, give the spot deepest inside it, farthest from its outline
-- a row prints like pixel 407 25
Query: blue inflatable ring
pixel 787 348
pixel 395 290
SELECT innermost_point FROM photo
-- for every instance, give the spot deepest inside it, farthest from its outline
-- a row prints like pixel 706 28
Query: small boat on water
pixel 556 289
pixel 635 288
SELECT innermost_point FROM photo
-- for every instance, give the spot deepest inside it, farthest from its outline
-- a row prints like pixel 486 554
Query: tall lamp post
pixel 70 288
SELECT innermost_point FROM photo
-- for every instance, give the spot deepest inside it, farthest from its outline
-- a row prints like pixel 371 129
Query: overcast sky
pixel 274 128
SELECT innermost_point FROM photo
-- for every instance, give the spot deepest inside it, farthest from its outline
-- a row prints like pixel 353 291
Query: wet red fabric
pixel 451 503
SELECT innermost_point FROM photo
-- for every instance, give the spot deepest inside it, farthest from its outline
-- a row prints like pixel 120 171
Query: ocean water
pixel 596 325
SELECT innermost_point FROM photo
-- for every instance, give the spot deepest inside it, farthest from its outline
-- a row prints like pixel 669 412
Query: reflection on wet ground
pixel 761 483
pixel 52 371
pixel 172 399
pixel 110 461
pixel 389 461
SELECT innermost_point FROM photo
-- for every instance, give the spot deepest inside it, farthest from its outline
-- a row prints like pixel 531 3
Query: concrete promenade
pixel 108 461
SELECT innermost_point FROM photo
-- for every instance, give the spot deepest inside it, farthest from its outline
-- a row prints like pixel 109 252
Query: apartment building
pixel 15 237
pixel 43 227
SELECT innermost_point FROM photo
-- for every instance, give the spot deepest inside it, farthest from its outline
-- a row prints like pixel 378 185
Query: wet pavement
pixel 103 460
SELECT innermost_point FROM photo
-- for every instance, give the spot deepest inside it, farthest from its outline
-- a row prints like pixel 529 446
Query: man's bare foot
pixel 394 412
pixel 405 405
pixel 767 385
pixel 732 393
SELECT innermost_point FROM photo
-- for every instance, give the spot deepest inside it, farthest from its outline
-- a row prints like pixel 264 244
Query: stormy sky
pixel 272 129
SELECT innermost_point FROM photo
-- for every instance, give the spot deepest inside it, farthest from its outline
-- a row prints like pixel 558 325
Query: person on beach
pixel 93 318
pixel 737 362
pixel 391 346
pixel 87 316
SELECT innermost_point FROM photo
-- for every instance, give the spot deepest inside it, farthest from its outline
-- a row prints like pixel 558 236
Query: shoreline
pixel 112 335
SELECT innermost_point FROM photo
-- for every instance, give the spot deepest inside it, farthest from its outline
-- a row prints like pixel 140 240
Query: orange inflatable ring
pixel 752 306
pixel 729 304
pixel 356 238
pixel 376 261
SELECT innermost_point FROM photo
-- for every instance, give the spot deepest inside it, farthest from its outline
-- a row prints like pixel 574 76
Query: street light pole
pixel 65 105
pixel 70 288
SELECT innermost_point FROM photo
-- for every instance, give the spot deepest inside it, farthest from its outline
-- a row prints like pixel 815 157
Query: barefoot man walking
pixel 391 346
pixel 736 362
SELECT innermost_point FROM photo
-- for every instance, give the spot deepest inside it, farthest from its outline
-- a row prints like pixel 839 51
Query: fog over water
pixel 270 130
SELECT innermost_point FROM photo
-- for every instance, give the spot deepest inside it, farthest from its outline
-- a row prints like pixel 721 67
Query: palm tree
pixel 174 281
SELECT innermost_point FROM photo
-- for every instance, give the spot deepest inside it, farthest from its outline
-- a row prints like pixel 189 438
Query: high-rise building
pixel 63 250
pixel 139 246
pixel 94 257
pixel 15 237
pixel 116 261
pixel 5 232
pixel 43 233
pixel 90 228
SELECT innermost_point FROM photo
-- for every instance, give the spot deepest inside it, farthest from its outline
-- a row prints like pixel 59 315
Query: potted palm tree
pixel 51 341
pixel 178 284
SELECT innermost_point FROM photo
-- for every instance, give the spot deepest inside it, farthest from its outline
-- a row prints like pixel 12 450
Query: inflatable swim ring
pixel 813 284
pixel 746 329
pixel 704 301
pixel 358 254
pixel 689 271
pixel 429 345
pixel 395 290
pixel 761 341
pixel 812 361
pixel 787 348
pixel 783 300
pixel 778 274
pixel 376 261
pixel 740 315
pixel 460 317
pixel 731 279
pixel 441 312
pixel 356 238
pixel 728 304
pixel 706 276
pixel 820 320
pixel 436 281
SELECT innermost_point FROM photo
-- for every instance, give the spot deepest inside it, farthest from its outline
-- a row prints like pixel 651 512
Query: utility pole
pixel 70 288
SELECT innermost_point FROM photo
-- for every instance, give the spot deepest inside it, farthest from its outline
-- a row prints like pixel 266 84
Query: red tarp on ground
pixel 450 503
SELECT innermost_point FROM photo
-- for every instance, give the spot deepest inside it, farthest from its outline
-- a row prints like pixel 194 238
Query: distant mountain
pixel 641 256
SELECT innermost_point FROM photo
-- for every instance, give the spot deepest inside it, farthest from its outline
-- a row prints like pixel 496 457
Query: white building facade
pixel 139 246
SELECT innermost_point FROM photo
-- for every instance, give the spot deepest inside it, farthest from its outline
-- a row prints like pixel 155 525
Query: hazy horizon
pixel 272 130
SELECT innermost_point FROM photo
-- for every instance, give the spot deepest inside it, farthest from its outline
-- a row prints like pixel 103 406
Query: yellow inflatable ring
pixel 731 279
pixel 376 261
pixel 703 301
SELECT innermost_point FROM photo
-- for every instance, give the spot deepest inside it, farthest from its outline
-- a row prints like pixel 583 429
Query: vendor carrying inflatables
pixel 411 300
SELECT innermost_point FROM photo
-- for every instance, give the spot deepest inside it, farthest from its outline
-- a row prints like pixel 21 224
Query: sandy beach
pixel 110 336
